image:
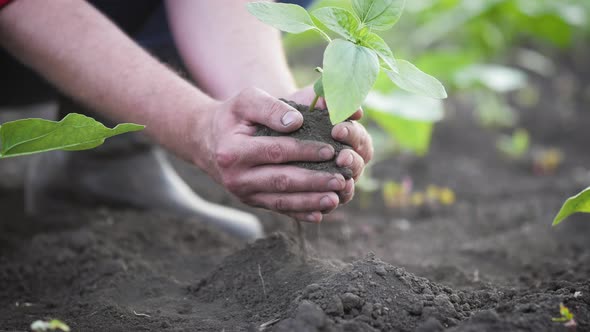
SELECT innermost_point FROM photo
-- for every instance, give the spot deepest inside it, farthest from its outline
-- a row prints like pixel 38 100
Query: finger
pixel 355 135
pixel 350 159
pixel 357 115
pixel 286 179
pixel 257 106
pixel 295 202
pixel 278 150
pixel 312 217
pixel 347 193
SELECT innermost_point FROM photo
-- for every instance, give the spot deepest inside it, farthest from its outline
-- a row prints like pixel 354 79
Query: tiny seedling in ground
pixel 52 325
pixel 351 63
pixel 566 317
pixel 73 133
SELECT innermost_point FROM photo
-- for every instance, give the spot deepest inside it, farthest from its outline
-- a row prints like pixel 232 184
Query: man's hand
pixel 350 133
pixel 251 167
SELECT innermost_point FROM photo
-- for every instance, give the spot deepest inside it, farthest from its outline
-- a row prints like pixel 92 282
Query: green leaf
pixel 575 204
pixel 349 73
pixel 380 47
pixel 412 79
pixel 285 17
pixel 514 146
pixel 338 20
pixel 72 133
pixel 407 118
pixel 378 14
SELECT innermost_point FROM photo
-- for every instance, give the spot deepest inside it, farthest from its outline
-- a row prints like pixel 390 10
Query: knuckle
pixel 276 108
pixel 280 183
pixel 281 204
pixel 231 183
pixel 274 153
pixel 225 158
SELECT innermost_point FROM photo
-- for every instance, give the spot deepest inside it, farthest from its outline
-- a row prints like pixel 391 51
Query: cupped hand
pixel 350 133
pixel 252 167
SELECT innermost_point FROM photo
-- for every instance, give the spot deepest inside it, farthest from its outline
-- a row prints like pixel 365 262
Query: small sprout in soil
pixel 402 195
pixel 546 161
pixel 514 146
pixel 579 203
pixel 351 63
pixel 52 325
pixel 566 317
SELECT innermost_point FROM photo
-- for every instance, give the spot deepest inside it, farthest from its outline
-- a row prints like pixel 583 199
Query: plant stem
pixel 314 102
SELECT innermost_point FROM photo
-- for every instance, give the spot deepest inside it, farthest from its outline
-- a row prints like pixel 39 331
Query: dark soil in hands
pixel 316 127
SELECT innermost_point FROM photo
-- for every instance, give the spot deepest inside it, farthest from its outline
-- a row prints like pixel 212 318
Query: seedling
pixel 566 317
pixel 579 203
pixel 516 146
pixel 546 161
pixel 73 133
pixel 52 325
pixel 351 63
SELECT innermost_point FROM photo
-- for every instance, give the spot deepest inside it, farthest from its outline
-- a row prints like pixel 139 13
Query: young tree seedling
pixel 352 62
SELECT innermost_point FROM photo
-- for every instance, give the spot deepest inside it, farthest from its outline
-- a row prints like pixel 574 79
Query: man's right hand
pixel 252 167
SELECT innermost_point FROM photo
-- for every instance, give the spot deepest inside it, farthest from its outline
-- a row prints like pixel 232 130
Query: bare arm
pixel 227 50
pixel 86 56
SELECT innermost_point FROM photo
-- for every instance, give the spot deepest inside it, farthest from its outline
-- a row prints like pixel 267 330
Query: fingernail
pixel 310 217
pixel 348 160
pixel 289 118
pixel 326 153
pixel 326 203
pixel 335 185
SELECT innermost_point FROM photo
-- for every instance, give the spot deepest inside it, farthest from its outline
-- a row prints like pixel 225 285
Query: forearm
pixel 226 49
pixel 87 57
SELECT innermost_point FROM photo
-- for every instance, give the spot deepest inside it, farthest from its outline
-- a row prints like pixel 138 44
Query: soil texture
pixel 489 262
pixel 316 127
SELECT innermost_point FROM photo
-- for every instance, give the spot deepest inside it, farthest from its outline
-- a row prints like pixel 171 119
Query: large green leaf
pixel 285 17
pixel 72 133
pixel 412 79
pixel 380 47
pixel 575 204
pixel 349 73
pixel 338 20
pixel 378 14
pixel 407 118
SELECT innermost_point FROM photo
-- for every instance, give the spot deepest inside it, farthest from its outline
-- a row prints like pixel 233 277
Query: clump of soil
pixel 268 281
pixel 316 127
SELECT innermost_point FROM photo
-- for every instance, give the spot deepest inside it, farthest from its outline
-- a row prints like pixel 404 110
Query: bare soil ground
pixel 490 262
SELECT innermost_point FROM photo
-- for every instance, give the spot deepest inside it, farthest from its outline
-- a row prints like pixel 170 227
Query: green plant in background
pixel 352 63
pixel 52 325
pixel 579 203
pixel 514 146
pixel 73 133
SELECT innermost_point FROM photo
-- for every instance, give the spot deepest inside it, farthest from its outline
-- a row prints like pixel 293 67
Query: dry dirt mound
pixel 268 282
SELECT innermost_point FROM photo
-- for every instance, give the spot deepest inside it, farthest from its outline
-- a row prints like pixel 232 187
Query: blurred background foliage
pixel 482 51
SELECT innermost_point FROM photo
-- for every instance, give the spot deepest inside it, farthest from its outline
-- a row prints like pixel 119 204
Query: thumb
pixel 267 110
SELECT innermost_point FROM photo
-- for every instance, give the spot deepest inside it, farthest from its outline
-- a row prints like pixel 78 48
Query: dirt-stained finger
pixel 287 179
pixel 295 202
pixel 351 160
